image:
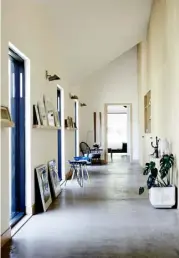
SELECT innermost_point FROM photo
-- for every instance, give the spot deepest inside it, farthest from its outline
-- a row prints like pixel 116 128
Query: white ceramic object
pixel 162 197
pixel 164 147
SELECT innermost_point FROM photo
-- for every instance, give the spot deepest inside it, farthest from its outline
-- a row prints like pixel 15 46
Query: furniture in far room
pixel 94 153
pixel 118 150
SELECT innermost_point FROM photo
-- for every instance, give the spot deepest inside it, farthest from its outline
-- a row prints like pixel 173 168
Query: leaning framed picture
pixel 54 178
pixel 5 117
pixel 57 120
pixel 36 117
pixel 49 111
pixel 44 187
pixel 5 114
pixel 42 113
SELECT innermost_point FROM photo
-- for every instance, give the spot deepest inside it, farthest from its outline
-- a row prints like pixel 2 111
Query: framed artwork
pixel 5 114
pixel 57 121
pixel 68 122
pixel 51 119
pixel 42 113
pixel 36 117
pixel 54 178
pixel 71 122
pixel 42 176
pixel 49 111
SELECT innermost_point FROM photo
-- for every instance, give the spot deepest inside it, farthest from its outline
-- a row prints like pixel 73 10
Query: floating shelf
pixel 46 127
pixel 70 128
pixel 6 123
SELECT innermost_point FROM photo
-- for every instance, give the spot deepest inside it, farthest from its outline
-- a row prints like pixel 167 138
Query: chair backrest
pixel 84 148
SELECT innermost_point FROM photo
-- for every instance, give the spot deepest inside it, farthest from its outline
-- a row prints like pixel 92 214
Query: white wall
pixel 25 24
pixel 115 83
pixel 158 71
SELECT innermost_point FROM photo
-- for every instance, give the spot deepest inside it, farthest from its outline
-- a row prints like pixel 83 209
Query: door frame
pixel 130 141
pixel 28 130
pixel 76 102
pixel 17 142
pixel 62 132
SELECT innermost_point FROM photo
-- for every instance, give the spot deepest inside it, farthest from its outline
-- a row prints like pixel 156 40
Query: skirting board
pixel 30 210
pixel 33 209
pixel 5 237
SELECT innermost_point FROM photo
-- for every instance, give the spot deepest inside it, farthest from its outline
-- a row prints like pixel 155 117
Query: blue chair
pixel 78 167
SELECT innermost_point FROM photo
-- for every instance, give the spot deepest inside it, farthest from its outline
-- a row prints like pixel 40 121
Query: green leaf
pixel 154 172
pixel 141 190
pixel 150 181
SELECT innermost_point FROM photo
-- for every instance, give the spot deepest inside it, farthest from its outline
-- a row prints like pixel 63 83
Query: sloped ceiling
pixel 92 33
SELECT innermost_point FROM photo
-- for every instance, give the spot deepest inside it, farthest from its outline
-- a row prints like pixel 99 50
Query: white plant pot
pixel 162 197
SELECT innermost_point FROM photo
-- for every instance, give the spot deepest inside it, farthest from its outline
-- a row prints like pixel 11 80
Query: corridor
pixel 107 218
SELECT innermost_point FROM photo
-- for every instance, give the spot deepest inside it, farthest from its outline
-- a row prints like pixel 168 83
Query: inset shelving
pixel 6 123
pixel 46 127
pixel 70 128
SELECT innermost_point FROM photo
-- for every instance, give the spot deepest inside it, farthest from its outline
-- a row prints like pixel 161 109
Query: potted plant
pixel 161 193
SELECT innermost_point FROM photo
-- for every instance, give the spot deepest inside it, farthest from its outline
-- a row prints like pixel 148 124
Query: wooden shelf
pixel 6 123
pixel 46 127
pixel 70 128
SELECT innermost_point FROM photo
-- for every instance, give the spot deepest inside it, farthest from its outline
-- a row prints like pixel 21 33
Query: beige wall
pixel 158 70
pixel 26 25
pixel 115 83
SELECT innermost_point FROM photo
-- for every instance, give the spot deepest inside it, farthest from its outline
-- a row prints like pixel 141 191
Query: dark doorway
pixel 59 108
pixel 17 99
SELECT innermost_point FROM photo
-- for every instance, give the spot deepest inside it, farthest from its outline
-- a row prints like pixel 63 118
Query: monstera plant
pixel 158 178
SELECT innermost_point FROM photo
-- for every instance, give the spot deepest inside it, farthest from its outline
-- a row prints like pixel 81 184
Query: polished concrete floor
pixel 107 218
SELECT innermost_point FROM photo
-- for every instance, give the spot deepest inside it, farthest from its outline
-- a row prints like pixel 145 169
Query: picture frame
pixel 54 178
pixel 44 187
pixel 68 122
pixel 36 117
pixel 50 118
pixel 49 109
pixel 5 114
pixel 42 113
pixel 71 122
pixel 57 120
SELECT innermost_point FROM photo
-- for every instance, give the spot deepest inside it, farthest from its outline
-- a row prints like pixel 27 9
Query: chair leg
pixel 82 175
pixel 87 171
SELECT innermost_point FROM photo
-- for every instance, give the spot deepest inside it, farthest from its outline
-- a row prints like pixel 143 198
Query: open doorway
pixel 118 132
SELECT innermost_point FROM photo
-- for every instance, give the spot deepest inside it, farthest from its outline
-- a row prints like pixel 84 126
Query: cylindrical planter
pixel 162 197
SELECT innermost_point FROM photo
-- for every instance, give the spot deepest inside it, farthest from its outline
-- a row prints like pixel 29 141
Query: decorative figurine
pixel 156 148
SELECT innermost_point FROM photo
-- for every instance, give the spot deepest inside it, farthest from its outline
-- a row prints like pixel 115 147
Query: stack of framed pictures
pixel 48 180
pixel 42 177
pixel 44 114
pixel 54 178
pixel 69 123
